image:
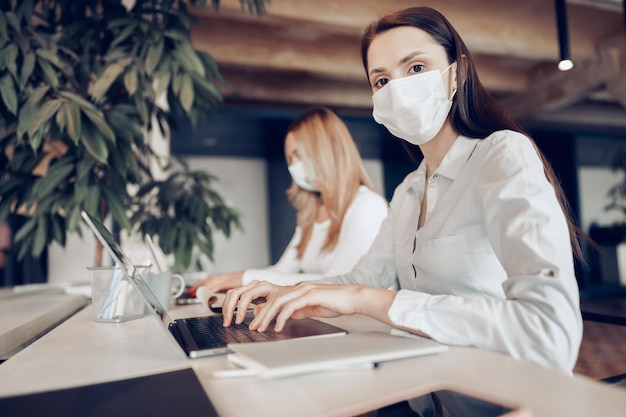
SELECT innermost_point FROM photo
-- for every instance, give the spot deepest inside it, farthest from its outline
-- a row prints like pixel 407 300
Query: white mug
pixel 161 284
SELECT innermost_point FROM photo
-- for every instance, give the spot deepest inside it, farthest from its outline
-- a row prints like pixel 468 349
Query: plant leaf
pixel 142 108
pixel 92 199
pixel 3 26
pixel 27 67
pixel 40 240
pixel 73 121
pixel 8 93
pixel 10 58
pixel 44 114
pixel 49 56
pixel 25 230
pixel 98 120
pixel 58 229
pixel 78 99
pixel 118 211
pixel 188 57
pixel 83 169
pixel 130 80
pixel 177 82
pixel 55 175
pixel 163 80
pixel 124 33
pixel 186 93
pixel 36 95
pixel 153 56
pixel 61 117
pixel 94 143
pixel 104 82
pixel 48 72
pixel 13 20
pixel 52 57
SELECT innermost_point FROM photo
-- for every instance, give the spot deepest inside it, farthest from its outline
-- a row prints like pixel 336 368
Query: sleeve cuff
pixel 409 309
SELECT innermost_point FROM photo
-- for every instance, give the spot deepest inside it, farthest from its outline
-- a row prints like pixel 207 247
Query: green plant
pixel 82 86
pixel 617 193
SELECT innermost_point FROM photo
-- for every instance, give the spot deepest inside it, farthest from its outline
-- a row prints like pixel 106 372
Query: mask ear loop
pixel 443 72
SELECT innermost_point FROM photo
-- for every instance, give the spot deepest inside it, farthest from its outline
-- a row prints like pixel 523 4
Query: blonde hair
pixel 324 141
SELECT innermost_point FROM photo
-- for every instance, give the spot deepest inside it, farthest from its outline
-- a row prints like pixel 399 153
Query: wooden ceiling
pixel 306 52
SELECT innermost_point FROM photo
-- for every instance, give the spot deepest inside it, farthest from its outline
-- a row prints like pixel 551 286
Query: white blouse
pixel 492 266
pixel 360 226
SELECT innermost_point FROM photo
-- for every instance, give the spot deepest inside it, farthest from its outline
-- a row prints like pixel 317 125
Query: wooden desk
pixel 81 351
pixel 24 316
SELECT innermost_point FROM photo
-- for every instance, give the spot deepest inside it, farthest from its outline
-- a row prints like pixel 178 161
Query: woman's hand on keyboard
pixel 307 300
pixel 218 283
pixel 238 300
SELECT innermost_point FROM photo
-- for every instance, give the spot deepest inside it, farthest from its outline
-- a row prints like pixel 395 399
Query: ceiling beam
pixel 275 88
pixel 613 53
pixel 270 44
pixel 552 89
pixel 524 29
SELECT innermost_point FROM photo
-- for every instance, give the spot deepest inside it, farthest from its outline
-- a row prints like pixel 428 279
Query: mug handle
pixel 182 285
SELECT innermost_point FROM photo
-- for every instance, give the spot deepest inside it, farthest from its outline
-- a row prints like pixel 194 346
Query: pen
pixel 232 373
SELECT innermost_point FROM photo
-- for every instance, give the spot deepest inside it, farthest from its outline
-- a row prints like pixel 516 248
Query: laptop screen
pixel 108 241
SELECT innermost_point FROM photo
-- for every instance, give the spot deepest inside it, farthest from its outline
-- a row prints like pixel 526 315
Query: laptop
pixel 203 336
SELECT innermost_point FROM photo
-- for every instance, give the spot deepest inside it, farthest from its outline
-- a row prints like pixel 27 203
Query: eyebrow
pixel 402 61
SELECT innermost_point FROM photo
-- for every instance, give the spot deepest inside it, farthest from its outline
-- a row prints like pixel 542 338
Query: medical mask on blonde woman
pixel 413 108
pixel 299 175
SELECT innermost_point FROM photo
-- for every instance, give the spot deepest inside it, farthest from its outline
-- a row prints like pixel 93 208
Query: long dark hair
pixel 474 113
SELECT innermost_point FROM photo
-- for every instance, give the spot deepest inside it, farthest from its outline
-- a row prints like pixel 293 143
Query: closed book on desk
pixel 352 351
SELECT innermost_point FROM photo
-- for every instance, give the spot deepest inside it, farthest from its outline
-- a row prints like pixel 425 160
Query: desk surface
pixel 24 316
pixel 81 351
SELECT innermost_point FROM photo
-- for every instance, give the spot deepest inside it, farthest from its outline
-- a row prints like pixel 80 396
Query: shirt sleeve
pixel 377 267
pixel 286 269
pixel 539 319
pixel 359 228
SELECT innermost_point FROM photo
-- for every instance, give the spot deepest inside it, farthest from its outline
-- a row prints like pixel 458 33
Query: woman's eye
pixel 416 68
pixel 381 82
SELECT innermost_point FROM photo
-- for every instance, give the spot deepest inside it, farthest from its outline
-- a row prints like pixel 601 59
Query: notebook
pixel 175 393
pixel 203 336
pixel 352 352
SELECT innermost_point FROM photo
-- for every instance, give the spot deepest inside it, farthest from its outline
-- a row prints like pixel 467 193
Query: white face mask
pixel 300 177
pixel 413 108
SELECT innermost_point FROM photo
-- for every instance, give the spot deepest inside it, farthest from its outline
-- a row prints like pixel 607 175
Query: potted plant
pixel 83 84
pixel 609 236
pixel 613 234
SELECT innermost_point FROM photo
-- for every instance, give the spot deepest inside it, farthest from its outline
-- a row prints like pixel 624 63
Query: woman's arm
pixel 283 272
pixel 288 266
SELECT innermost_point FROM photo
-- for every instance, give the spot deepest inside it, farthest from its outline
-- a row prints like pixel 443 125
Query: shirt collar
pixel 457 156
pixel 452 163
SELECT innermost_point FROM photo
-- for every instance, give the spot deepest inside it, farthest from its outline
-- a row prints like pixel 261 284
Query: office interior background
pixel 302 54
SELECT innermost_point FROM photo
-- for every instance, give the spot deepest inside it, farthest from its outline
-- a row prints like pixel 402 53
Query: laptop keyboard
pixel 210 333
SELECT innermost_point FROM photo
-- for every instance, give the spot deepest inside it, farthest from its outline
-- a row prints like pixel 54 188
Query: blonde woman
pixel 338 211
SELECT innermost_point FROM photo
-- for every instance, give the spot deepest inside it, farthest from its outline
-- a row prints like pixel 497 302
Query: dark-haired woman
pixel 479 235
